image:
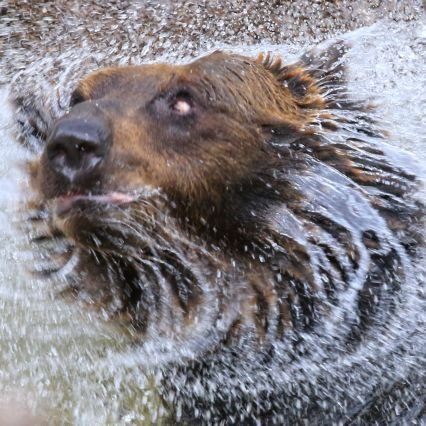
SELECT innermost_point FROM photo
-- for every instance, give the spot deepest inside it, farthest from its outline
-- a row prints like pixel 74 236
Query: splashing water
pixel 63 359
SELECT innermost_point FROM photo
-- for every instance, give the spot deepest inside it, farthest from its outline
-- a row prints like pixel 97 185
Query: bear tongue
pixel 65 202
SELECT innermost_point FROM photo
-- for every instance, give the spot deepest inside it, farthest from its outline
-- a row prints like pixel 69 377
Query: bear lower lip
pixel 66 202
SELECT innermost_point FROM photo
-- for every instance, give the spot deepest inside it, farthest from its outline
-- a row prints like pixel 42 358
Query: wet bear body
pixel 242 217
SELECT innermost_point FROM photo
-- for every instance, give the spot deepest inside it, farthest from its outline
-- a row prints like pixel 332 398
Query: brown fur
pixel 242 106
pixel 233 218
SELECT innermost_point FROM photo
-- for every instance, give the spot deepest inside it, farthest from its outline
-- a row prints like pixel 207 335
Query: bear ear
pixel 317 80
pixel 328 67
pixel 297 79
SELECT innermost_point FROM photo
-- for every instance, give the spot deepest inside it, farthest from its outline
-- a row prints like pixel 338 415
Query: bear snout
pixel 79 144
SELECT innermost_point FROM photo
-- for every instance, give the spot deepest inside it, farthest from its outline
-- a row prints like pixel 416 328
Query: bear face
pixel 184 129
pixel 232 206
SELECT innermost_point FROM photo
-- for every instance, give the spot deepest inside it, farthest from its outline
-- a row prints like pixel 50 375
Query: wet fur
pixel 243 251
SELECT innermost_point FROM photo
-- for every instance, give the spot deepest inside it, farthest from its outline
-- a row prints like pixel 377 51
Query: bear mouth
pixel 65 204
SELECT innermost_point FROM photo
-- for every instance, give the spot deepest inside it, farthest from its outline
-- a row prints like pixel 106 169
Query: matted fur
pixel 265 249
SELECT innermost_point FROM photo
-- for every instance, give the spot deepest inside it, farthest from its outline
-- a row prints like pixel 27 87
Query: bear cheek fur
pixel 197 161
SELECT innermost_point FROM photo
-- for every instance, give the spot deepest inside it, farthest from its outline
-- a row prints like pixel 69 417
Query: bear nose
pixel 78 144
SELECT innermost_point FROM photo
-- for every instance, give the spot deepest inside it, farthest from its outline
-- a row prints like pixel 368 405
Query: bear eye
pixel 76 98
pixel 182 103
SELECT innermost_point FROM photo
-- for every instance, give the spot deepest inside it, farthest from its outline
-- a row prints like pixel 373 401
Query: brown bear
pixel 242 217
